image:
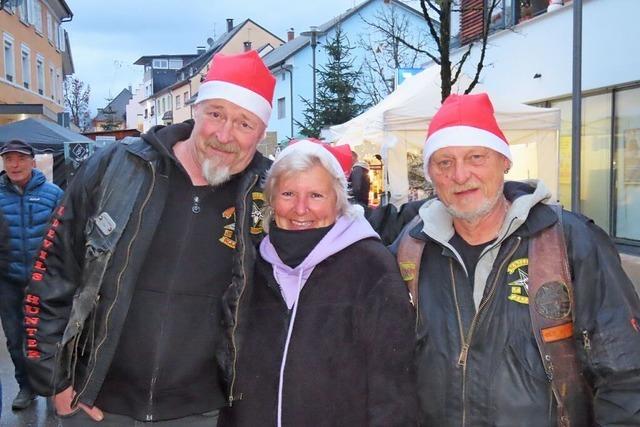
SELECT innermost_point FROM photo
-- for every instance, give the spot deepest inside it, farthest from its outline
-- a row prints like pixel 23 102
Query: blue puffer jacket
pixel 27 216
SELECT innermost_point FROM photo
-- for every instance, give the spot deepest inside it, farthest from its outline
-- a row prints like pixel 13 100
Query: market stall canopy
pixel 398 124
pixel 43 135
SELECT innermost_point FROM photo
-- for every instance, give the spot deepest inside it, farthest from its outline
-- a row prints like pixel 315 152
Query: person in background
pixel 4 266
pixel 525 315
pixel 26 201
pixel 359 181
pixel 123 309
pixel 325 329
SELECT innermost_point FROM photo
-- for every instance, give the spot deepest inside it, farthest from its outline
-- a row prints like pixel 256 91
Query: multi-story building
pixel 294 62
pixel 35 59
pixel 160 72
pixel 114 115
pixel 172 100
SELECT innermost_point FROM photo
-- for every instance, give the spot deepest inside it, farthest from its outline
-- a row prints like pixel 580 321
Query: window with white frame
pixel 40 73
pixel 56 34
pixel 160 63
pixel 24 10
pixel 59 86
pixel 9 62
pixel 52 77
pixel 37 15
pixel 10 6
pixel 175 64
pixel 185 97
pixel 61 38
pixel 26 66
pixel 282 108
pixel 49 26
pixel 170 102
pixel 178 102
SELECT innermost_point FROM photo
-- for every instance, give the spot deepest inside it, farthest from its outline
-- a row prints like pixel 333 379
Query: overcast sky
pixel 107 37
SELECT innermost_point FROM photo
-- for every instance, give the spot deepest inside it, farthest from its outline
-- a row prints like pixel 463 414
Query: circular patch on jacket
pixel 552 301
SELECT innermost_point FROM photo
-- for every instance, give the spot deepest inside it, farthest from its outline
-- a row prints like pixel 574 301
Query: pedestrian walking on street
pixel 4 265
pixel 525 315
pixel 26 201
pixel 325 331
pixel 124 306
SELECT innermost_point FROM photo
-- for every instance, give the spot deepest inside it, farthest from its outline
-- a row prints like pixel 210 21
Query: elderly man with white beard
pixel 123 312
pixel 525 315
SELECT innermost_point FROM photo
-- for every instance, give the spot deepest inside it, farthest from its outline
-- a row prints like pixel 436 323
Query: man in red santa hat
pixel 525 316
pixel 123 312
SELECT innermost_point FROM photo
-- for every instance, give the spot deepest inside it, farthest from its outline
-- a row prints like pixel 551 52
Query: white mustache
pixel 226 148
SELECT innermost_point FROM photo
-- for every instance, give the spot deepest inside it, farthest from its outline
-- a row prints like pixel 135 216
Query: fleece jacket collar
pixel 525 196
pixel 345 232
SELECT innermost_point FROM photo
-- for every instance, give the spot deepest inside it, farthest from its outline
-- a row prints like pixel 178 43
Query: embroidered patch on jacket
pixel 257 215
pixel 518 280
pixel 552 301
pixel 228 237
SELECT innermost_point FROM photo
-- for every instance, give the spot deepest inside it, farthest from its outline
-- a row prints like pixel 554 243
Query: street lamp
pixel 313 33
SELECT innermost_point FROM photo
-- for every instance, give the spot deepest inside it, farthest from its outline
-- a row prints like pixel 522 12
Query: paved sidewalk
pixel 39 414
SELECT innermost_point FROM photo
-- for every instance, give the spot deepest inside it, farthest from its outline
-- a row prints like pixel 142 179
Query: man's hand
pixel 62 403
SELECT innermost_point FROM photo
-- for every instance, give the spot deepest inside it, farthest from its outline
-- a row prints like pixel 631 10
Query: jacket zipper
pixel 118 282
pixel 244 284
pixel 466 342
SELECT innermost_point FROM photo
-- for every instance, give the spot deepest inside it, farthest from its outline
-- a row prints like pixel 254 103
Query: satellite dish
pixel 210 42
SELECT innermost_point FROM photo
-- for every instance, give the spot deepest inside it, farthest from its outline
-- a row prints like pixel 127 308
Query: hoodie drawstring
pixel 286 347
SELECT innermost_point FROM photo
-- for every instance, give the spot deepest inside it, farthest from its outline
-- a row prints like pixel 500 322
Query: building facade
pixel 531 60
pixel 172 82
pixel 293 63
pixel 114 115
pixel 35 59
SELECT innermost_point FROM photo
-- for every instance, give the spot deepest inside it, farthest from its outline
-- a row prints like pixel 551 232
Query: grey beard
pixel 486 207
pixel 215 174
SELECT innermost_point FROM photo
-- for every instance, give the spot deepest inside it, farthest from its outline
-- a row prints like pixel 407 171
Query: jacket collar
pixel 526 216
pixel 37 178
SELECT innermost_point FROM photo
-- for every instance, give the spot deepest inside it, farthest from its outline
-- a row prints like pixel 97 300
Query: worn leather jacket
pixel 477 360
pixel 83 282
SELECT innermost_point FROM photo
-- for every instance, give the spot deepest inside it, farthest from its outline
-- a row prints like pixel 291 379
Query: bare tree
pixel 76 100
pixel 385 54
pixel 437 15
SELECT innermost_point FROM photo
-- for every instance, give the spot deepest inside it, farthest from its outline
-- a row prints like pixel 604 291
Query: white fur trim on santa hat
pixel 463 136
pixel 241 96
pixel 313 149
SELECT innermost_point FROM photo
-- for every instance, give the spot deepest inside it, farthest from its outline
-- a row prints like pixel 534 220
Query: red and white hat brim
pixel 463 136
pixel 309 148
pixel 239 95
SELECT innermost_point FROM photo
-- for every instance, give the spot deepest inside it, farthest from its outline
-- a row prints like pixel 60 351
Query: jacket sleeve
pixel 54 280
pixel 4 245
pixel 389 333
pixel 607 325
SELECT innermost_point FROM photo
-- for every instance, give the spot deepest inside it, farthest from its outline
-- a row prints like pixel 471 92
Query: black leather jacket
pixel 79 295
pixel 500 379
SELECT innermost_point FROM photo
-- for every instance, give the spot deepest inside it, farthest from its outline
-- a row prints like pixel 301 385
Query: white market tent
pixel 398 125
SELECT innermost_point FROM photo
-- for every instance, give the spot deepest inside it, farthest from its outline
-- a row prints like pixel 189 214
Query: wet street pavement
pixel 39 414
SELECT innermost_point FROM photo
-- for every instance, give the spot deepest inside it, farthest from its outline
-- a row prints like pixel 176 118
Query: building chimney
pixel 247 46
pixel 200 50
pixel 229 24
pixel 290 34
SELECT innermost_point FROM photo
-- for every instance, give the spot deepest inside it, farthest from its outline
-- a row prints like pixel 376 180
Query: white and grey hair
pixel 301 161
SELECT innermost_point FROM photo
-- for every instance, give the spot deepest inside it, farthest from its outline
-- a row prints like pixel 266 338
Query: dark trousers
pixel 11 302
pixel 81 419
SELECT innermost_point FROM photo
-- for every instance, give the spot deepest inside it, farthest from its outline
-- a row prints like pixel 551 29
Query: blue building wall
pixel 300 63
